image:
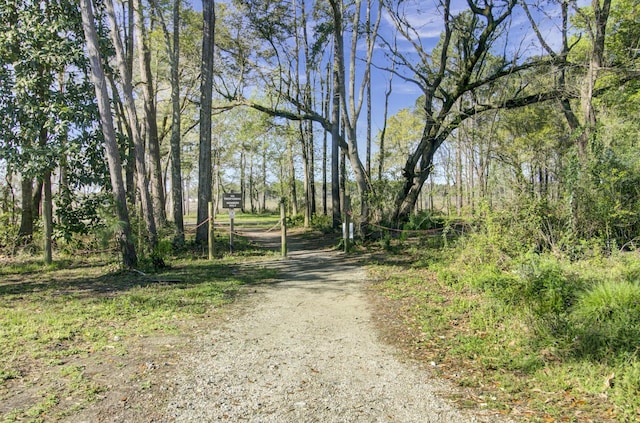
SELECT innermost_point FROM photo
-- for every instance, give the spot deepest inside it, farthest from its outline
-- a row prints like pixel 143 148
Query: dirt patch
pixel 305 346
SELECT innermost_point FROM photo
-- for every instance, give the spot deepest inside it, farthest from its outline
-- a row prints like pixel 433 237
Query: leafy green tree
pixel 403 132
pixel 47 107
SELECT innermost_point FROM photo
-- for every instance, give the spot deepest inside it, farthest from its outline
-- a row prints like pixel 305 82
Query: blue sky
pixel 426 19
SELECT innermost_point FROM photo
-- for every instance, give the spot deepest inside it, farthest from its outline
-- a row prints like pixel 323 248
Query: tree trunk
pixel 263 207
pixel 176 167
pixel 292 180
pixel 601 16
pixel 130 167
pixel 413 179
pixel 155 167
pixel 47 205
pixel 243 182
pixel 308 101
pixel 172 43
pixel 312 179
pixel 369 42
pixel 343 180
pixel 123 231
pixel 305 172
pixel 252 188
pixel 138 142
pixel 206 90
pixel 327 96
pixel 47 218
pixel 36 199
pixel 383 133
pixel 352 108
pixel 459 182
pixel 122 126
pixel 335 150
pixel 26 217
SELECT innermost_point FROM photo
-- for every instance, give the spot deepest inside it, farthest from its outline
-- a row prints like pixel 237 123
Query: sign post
pixel 230 201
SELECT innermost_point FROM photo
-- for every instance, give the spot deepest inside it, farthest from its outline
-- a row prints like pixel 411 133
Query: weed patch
pixel 535 337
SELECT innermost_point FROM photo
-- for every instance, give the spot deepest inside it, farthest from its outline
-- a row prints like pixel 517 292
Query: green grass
pixel 548 341
pixel 254 220
pixel 54 321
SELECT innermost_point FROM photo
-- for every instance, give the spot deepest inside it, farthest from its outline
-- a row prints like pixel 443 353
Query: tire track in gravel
pixel 304 349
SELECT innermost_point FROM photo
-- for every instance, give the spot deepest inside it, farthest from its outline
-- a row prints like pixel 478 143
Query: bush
pixel 83 216
pixel 423 220
pixel 9 238
pixel 627 386
pixel 295 221
pixel 322 223
pixel 506 287
pixel 549 292
pixel 607 319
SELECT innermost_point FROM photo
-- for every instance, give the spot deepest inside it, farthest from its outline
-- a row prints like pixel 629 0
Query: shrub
pixel 322 223
pixel 506 287
pixel 627 386
pixel 295 221
pixel 423 220
pixel 549 292
pixel 607 319
pixel 9 238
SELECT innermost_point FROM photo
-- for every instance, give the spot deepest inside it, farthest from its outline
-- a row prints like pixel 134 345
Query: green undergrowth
pixel 58 321
pixel 533 336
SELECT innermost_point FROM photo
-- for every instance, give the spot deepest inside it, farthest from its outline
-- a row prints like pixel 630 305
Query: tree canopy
pixel 487 100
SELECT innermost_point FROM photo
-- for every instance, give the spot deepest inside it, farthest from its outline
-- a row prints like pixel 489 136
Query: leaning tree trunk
pixel 123 230
pixel 415 176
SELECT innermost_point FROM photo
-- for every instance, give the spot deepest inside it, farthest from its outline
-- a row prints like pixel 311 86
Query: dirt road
pixel 304 349
pixel 300 348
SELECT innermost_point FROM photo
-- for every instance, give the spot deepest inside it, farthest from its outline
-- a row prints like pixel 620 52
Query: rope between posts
pixel 274 226
pixel 237 232
pixel 203 222
pixel 412 231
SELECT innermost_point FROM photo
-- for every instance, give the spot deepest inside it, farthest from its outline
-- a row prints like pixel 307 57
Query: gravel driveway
pixel 303 349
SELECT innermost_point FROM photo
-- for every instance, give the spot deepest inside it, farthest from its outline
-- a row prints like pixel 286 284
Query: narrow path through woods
pixel 304 349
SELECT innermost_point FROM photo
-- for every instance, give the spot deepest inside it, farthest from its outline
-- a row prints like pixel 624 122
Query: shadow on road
pixel 313 260
pixel 299 242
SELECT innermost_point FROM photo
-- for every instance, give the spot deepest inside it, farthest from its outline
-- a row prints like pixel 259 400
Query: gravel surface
pixel 304 349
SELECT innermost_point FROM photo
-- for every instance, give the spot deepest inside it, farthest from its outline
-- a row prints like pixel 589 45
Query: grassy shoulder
pixel 537 338
pixel 68 331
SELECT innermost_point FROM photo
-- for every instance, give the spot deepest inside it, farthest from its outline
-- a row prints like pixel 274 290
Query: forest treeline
pixel 121 111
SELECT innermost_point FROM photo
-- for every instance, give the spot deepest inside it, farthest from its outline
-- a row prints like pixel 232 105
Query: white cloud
pixel 424 19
